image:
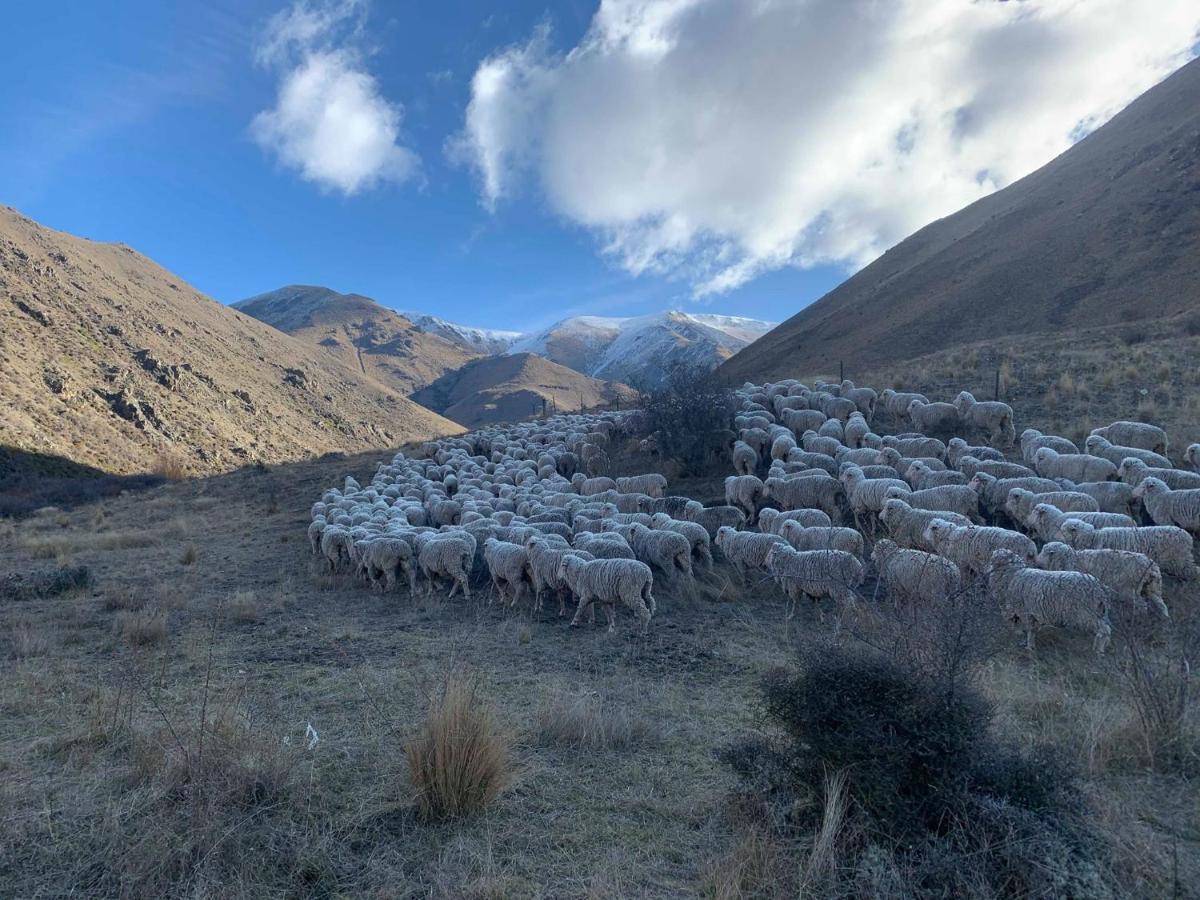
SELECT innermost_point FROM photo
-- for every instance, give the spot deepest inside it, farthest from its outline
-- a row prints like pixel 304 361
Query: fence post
pixel 996 392
pixel 841 372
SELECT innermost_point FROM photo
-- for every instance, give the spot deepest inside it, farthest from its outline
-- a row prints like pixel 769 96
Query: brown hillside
pixel 512 388
pixel 360 333
pixel 1108 232
pixel 107 359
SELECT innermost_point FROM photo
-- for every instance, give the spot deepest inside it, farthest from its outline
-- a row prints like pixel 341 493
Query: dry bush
pixel 26 640
pixel 587 722
pixel 462 759
pixel 143 627
pixel 190 554
pixel 244 609
pixel 44 583
pixel 690 415
pixel 170 466
pixel 63 546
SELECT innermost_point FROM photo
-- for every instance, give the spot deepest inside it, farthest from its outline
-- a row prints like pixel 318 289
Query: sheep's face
pixel 1005 559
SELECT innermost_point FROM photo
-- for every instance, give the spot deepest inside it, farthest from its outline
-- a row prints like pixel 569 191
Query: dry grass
pixel 243 608
pixel 143 627
pixel 190 554
pixel 27 640
pixel 589 722
pixel 462 759
pixel 64 546
pixel 170 465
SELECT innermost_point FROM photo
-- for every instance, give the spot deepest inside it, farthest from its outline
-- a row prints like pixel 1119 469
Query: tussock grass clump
pixel 462 759
pixel 170 466
pixel 142 628
pixel 45 583
pixel 190 554
pixel 587 722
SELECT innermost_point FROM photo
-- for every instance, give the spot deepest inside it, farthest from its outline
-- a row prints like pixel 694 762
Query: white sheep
pixel 771 520
pixel 955 498
pixel 1170 547
pixel 815 574
pixel 831 538
pixel 956 448
pixel 746 493
pixel 696 536
pixel 1098 446
pixel 1132 471
pixel 1035 598
pixel 609 582
pixel 970 466
pixel 605 545
pixel 667 551
pixel 1167 507
pixel 933 418
pixel 920 476
pixel 1135 434
pixel 1046 520
pixel 816 492
pixel 1191 457
pixel 447 555
pixel 1033 440
pixel 897 402
pixel 1075 466
pixel 906 525
pixel 1020 503
pixel 508 565
pixel 971 548
pixel 914 575
pixel 1129 575
pixel 651 485
pixel 1111 496
pixel 713 517
pixel 746 550
pixel 867 495
pixel 989 417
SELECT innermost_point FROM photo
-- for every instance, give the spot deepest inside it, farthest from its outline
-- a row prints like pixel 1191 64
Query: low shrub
pixel 44 583
pixel 690 414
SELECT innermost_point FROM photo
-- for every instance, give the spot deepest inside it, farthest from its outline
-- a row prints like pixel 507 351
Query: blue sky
pixel 640 155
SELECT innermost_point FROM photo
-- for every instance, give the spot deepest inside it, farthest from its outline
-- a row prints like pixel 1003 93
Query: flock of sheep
pixel 819 501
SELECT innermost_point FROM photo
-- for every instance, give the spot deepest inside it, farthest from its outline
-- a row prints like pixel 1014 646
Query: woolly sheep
pixel 1133 471
pixel 1111 496
pixel 1191 457
pixel 933 418
pixel 855 431
pixel 955 498
pixel 1046 520
pixel 695 534
pixel 802 420
pixel 815 574
pixel 917 446
pixel 713 517
pixel 746 493
pixel 970 466
pixel 815 443
pixel 813 460
pixel 1075 466
pixel 667 551
pixel 771 520
pixel 890 456
pixel 1126 574
pixel 867 496
pixel 746 550
pixel 1035 598
pixel 823 493
pixel 956 448
pixel 610 582
pixel 589 486
pixel 913 575
pixel 447 555
pixel 651 485
pixel 906 525
pixel 779 449
pixel 1167 545
pixel 831 538
pixel 1180 508
pixel 1033 440
pixel 605 545
pixel 838 407
pixel 1098 446
pixel 971 548
pixel 864 398
pixel 1020 503
pixel 508 565
pixel 336 546
pixel 385 559
pixel 920 476
pixel 1135 434
pixel 897 403
pixel 988 417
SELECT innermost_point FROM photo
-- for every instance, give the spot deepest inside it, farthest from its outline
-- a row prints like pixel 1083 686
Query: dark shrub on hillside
pixel 44 583
pixel 690 415
pixel 954 812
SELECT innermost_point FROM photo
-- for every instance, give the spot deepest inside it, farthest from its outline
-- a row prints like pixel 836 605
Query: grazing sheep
pixel 1167 545
pixel 815 443
pixel 508 564
pixel 1020 503
pixel 913 575
pixel 838 407
pixel 713 517
pixel 1135 434
pixel 746 493
pixel 745 459
pixel 1035 598
pixel 675 507
pixel 831 538
pixel 933 418
pixel 1112 496
pixel 815 574
pixel 544 557
pixel 917 446
pixel 696 535
pixel 605 545
pixel 955 498
pixel 897 403
pixel 771 520
pixel 1167 507
pixel 1046 520
pixel 781 446
pixel 970 466
pixel 864 398
pixel 816 492
pixel 906 525
pixel 1033 440
pixel 746 550
pixel 314 533
pixel 1127 574
pixel 820 461
pixel 588 486
pixel 956 448
pixel 920 476
pixel 867 495
pixel 864 456
pixel 1098 446
pixel 1133 471
pixel 989 417
pixel 666 551
pixel 971 548
pixel 651 485
pixel 609 582
pixel 890 456
pixel 1075 466
pixel 833 428
pixel 447 555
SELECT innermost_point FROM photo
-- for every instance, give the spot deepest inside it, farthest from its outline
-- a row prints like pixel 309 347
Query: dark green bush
pixel 690 413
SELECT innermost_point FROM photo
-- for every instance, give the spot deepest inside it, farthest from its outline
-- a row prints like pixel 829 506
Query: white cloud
pixel 713 140
pixel 330 122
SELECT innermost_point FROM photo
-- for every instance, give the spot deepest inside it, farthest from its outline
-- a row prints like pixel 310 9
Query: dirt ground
pixel 206 605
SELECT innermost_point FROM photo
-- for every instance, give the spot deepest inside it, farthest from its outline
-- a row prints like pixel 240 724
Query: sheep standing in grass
pixel 867 495
pixel 746 550
pixel 993 492
pixel 712 518
pixel 847 540
pixel 1133 471
pixel 1035 598
pixel 771 520
pixel 1046 521
pixel 695 535
pixel 1167 545
pixel 1020 503
pixel 1098 446
pixel 815 492
pixel 447 555
pixel 1075 466
pixel 314 533
pixel 1167 507
pixel 1033 440
pixel 610 582
pixel 933 418
pixel 508 565
pixel 971 548
pixel 606 545
pixel 337 546
pixel 956 448
pixel 1110 496
pixel 1127 574
pixel 988 417
pixel 897 403
pixel 385 559
pixel 1135 434
pixel 955 498
pixel 913 575
pixel 651 485
pixel 746 493
pixel 906 525
pixel 815 574
pixel 666 551
pixel 920 476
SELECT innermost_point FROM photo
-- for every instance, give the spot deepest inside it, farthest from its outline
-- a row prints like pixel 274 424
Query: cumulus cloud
pixel 714 140
pixel 330 122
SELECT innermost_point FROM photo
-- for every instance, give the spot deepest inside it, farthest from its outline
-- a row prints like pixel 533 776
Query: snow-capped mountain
pixel 488 341
pixel 641 350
